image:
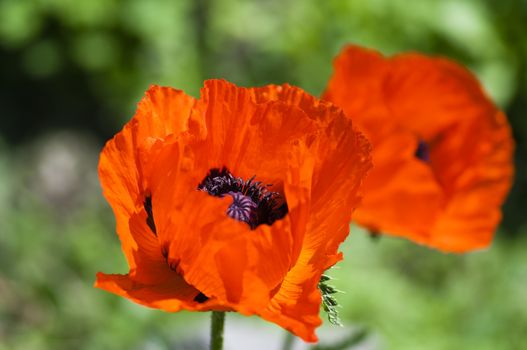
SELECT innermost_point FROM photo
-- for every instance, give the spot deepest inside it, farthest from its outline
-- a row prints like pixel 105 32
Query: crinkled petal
pixel 151 282
pixel 161 112
pixel 473 210
pixel 343 160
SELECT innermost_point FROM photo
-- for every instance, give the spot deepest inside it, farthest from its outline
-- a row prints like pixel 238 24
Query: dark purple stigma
pixel 242 208
pixel 423 151
pixel 252 201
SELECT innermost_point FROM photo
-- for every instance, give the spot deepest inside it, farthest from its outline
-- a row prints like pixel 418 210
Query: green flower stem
pixel 350 342
pixel 216 330
pixel 289 339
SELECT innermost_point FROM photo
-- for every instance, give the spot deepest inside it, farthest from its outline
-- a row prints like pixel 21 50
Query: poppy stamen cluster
pixel 253 202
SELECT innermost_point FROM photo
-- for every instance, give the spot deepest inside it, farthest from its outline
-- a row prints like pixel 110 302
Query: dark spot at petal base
pixel 201 298
pixel 423 151
pixel 150 219
pixel 164 252
pixel 174 266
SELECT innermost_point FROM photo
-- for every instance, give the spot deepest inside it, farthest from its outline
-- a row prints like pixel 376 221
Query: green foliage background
pixel 71 75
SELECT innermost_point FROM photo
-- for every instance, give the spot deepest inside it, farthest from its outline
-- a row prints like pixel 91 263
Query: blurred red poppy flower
pixel 236 201
pixel 442 151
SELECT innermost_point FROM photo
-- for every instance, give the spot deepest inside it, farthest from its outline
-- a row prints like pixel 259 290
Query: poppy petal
pixel 151 282
pixel 466 222
pixel 249 136
pixel 163 111
pixel 334 193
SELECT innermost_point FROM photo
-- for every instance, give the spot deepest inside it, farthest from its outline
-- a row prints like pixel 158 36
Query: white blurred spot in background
pixel 243 333
pixel 60 169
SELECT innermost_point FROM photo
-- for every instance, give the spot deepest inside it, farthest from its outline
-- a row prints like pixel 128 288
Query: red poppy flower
pixel 236 201
pixel 442 151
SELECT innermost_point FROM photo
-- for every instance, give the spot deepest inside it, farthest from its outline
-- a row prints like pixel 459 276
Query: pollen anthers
pixel 253 202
